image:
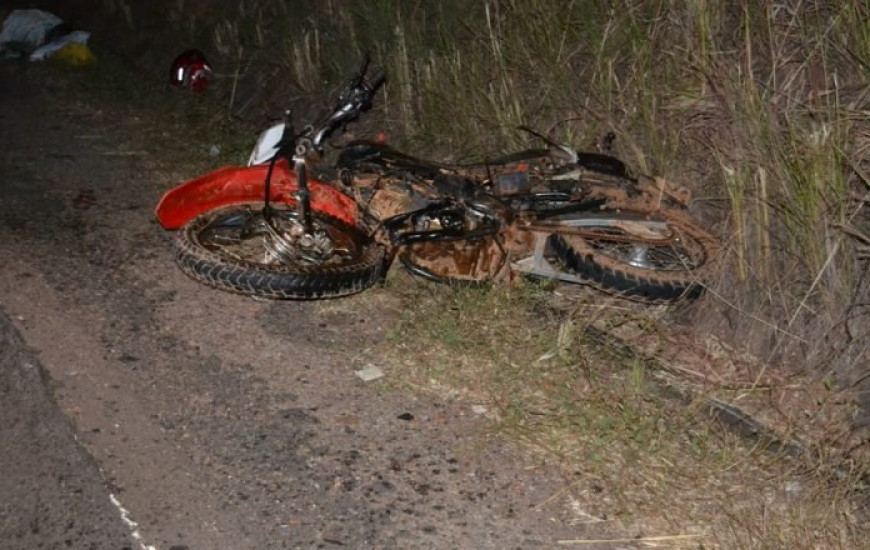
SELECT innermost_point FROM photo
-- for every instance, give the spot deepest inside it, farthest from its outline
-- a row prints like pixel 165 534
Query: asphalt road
pixel 52 493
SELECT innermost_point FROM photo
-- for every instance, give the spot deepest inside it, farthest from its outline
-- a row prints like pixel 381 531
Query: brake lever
pixel 360 78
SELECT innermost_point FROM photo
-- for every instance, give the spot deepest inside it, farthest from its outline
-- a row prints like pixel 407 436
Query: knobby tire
pixel 652 285
pixel 278 281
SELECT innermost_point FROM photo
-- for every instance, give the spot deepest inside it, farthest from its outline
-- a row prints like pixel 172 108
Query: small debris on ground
pixel 85 199
pixel 369 373
pixel 793 488
pixel 406 416
pixel 478 409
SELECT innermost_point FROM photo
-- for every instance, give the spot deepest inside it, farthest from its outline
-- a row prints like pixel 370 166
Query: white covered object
pixel 75 37
pixel 28 27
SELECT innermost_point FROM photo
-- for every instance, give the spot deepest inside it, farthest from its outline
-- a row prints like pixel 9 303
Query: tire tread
pixel 278 282
pixel 635 283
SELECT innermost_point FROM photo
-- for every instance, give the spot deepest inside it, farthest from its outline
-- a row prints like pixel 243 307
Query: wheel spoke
pixel 673 254
pixel 248 236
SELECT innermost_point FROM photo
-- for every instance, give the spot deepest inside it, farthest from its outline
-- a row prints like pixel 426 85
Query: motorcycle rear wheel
pixel 618 261
pixel 220 249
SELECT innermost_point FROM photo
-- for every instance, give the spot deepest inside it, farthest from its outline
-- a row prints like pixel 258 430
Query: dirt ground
pixel 212 420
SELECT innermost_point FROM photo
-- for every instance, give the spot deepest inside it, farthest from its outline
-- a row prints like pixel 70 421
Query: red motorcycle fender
pixel 235 185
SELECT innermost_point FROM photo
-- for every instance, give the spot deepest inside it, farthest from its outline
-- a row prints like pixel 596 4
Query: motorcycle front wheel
pixel 240 249
pixel 657 261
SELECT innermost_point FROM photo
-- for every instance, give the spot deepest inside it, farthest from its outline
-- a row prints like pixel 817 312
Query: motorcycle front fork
pixel 303 195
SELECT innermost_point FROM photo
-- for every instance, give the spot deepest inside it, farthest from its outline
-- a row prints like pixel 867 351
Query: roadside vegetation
pixel 762 109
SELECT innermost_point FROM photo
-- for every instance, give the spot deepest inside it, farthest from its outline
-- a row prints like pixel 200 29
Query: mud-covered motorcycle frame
pixel 537 212
pixel 611 197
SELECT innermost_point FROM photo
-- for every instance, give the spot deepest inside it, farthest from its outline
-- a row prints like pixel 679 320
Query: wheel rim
pixel 245 235
pixel 676 251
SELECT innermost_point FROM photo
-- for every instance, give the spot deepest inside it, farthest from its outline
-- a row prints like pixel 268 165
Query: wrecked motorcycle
pixel 289 227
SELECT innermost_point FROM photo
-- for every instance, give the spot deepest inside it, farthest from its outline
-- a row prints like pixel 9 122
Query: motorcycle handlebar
pixel 356 98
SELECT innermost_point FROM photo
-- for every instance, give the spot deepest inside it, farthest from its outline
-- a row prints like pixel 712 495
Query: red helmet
pixel 190 70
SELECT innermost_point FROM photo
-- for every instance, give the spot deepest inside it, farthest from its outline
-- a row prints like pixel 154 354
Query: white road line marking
pixel 134 527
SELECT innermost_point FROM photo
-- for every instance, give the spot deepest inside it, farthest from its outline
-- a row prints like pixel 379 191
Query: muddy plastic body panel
pixel 237 185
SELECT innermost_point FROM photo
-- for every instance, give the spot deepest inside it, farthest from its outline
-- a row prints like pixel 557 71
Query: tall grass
pixel 787 106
